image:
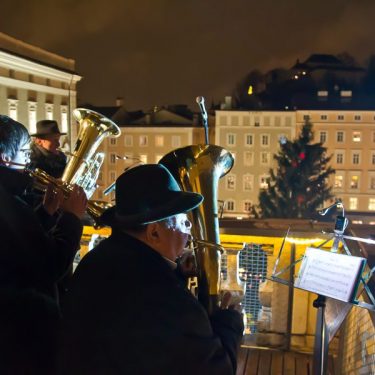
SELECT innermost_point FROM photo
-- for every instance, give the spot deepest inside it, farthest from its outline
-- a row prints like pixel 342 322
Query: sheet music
pixel 330 274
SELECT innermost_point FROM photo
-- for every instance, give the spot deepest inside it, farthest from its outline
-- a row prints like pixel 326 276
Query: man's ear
pixel 152 233
pixel 4 158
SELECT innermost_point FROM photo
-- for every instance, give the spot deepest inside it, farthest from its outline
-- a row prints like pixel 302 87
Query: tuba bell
pixel 198 168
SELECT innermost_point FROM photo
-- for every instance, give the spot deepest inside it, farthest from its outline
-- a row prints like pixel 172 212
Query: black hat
pixel 46 127
pixel 148 193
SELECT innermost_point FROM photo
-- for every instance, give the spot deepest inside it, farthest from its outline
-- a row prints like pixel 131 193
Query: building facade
pixel 36 84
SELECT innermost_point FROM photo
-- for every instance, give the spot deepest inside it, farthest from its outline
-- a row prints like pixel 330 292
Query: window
pixel 371 204
pixel 264 139
pixel 353 203
pixel 231 182
pixel 288 121
pixel 306 117
pixel 246 121
pixel 49 111
pixel 266 121
pixel 143 140
pixel 112 158
pixel 357 118
pixel 231 139
pixel 13 109
pixel 248 182
pixel 373 137
pixel 230 205
pixel 248 158
pixel 112 176
pixel 113 141
pixel 339 181
pixel 247 206
pixel 356 136
pixel 159 141
pixel 128 140
pixel 373 158
pixel 322 137
pixel 176 141
pixel 340 117
pixel 263 182
pixel 354 182
pixel 256 121
pixel 339 158
pixel 372 182
pixel 223 121
pixel 64 119
pixel 356 158
pixel 249 139
pixel 340 136
pixel 234 120
pixel 264 158
pixel 324 117
pixel 32 117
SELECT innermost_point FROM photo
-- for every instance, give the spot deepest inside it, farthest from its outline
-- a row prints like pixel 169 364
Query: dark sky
pixel 157 52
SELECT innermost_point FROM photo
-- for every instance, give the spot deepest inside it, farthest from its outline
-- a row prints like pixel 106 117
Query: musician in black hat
pixel 45 153
pixel 126 311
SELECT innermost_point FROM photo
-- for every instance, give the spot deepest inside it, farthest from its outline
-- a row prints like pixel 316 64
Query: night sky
pixel 158 52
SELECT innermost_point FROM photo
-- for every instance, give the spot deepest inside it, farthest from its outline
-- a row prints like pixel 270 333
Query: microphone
pixel 200 102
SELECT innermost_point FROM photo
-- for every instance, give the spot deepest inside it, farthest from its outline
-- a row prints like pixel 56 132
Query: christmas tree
pixel 300 184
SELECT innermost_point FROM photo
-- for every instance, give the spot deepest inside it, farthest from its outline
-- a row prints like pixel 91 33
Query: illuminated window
pixel 247 206
pixel 264 158
pixel 354 182
pixel 322 137
pixel 143 158
pixel 49 111
pixel 339 180
pixel 231 182
pixel 230 205
pixel 176 141
pixel 353 203
pixel 250 90
pixel 371 204
pixel 64 119
pixel 159 141
pixel 248 181
pixel 263 182
pixel 143 140
pixel 340 136
pixel 112 158
pixel 248 158
pixel 264 139
pixel 231 139
pixel 128 140
pixel 356 136
pixel 13 109
pixel 32 117
pixel 356 158
pixel 249 139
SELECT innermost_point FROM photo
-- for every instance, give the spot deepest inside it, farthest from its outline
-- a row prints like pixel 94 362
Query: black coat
pixel 33 253
pixel 128 313
pixel 53 164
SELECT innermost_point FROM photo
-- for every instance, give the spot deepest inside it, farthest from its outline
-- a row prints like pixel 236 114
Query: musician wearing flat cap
pixel 127 311
pixel 45 154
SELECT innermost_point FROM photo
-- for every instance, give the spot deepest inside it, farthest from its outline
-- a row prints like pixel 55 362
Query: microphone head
pixel 200 99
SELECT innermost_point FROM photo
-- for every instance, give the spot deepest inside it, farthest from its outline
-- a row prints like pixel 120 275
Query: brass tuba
pixel 83 166
pixel 198 168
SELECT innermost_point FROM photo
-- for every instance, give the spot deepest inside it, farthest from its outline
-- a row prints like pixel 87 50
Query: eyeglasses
pixel 26 151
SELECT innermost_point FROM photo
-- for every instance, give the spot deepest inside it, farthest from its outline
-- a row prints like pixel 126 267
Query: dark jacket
pixel 33 254
pixel 128 313
pixel 53 164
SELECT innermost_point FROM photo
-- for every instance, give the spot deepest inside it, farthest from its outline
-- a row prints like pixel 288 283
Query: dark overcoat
pixel 128 313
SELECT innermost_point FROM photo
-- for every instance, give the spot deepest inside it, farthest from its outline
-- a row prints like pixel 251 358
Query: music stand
pixel 330 305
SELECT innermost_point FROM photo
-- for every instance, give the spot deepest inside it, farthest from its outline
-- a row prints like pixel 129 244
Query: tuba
pixel 84 165
pixel 198 168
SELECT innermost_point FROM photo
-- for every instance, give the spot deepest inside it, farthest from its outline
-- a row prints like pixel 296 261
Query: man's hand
pixel 76 202
pixel 53 198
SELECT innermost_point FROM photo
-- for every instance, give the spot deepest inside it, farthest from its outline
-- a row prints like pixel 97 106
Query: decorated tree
pixel 299 186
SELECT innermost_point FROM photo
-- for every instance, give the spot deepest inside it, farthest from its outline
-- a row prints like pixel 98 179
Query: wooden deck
pixel 256 361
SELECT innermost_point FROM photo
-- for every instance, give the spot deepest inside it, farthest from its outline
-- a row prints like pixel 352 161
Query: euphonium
pixel 197 168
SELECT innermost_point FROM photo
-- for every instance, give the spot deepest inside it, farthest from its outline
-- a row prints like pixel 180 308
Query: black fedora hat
pixel 46 127
pixel 146 194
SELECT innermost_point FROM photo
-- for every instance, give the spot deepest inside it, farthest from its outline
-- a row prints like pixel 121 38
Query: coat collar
pixel 14 182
